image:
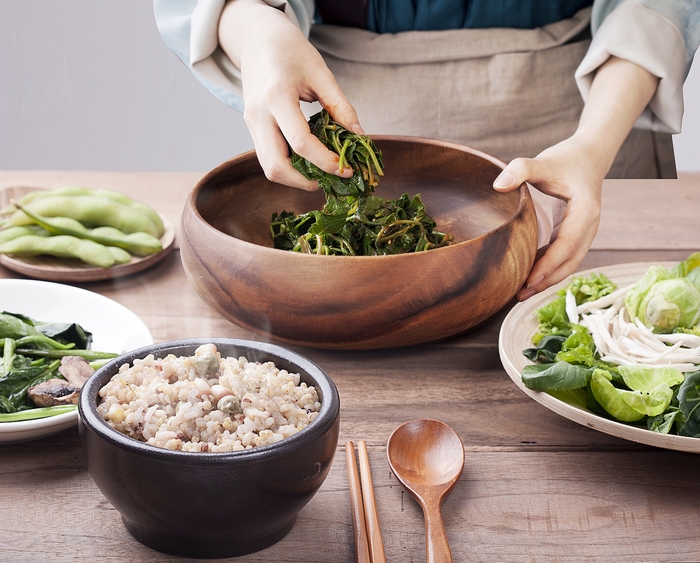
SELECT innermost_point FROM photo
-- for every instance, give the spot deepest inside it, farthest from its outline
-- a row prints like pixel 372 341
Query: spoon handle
pixel 437 548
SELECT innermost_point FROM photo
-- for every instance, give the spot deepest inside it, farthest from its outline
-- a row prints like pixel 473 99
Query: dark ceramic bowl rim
pixel 330 405
pixel 191 201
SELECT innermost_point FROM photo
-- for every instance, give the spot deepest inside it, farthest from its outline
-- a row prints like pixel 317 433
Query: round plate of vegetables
pixel 616 349
pixel 52 338
pixel 74 233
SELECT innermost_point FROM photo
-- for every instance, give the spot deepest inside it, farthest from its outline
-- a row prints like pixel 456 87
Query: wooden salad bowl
pixel 361 302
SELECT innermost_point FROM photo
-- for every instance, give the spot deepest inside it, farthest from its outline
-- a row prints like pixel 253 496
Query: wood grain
pixel 357 509
pixel 536 487
pixel 361 302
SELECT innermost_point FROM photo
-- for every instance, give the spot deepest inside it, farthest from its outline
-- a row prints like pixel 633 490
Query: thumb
pixel 515 174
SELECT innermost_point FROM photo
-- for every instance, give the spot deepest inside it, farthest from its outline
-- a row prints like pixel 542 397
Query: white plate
pixel 516 333
pixel 114 329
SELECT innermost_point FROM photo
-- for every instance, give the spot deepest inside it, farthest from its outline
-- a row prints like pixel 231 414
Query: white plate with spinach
pixel 516 334
pixel 114 329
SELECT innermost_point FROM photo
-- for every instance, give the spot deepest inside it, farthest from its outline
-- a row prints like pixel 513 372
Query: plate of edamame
pixel 78 234
pixel 114 328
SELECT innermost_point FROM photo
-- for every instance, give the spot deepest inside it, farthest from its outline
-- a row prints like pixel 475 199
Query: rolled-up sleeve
pixel 658 35
pixel 190 28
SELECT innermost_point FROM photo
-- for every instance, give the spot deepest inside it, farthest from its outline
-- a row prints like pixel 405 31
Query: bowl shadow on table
pixel 361 302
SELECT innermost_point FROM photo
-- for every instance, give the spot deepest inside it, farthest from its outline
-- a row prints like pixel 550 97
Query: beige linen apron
pixel 508 92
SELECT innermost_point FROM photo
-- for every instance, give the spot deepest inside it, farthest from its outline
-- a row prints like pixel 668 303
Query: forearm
pixel 619 93
pixel 243 20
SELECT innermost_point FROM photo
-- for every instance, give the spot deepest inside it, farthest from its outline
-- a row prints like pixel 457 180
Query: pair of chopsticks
pixel 369 547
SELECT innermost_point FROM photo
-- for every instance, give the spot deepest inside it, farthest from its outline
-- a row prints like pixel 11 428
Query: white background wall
pixel 90 85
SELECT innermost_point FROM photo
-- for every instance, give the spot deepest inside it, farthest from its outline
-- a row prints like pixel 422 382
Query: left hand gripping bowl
pixel 361 302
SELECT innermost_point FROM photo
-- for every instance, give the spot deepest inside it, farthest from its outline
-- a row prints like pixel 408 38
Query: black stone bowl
pixel 210 505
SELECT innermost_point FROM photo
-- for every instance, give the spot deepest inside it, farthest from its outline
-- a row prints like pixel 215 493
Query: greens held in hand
pixel 354 222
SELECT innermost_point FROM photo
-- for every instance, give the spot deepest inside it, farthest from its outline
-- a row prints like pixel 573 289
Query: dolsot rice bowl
pixel 206 403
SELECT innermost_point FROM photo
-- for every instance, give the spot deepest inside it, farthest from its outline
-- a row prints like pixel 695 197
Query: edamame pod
pixel 120 255
pixel 14 232
pixel 91 211
pixel 82 191
pixel 141 244
pixel 63 246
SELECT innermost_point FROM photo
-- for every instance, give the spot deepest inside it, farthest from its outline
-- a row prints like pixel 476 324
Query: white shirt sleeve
pixel 191 28
pixel 658 35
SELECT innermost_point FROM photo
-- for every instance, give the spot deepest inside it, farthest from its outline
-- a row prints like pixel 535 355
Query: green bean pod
pixel 140 244
pixel 82 191
pixel 63 246
pixel 91 211
pixel 14 232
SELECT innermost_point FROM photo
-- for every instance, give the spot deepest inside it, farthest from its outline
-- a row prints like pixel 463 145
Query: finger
pixel 273 154
pixel 339 107
pixel 564 255
pixel 517 172
pixel 295 129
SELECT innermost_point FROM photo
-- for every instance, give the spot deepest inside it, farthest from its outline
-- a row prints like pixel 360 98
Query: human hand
pixel 279 69
pixel 572 172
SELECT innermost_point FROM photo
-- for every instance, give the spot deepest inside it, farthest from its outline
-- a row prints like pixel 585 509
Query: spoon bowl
pixel 427 457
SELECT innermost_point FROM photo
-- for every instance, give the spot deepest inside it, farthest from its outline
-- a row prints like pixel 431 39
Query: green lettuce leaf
pixel 645 378
pixel 650 403
pixel 611 398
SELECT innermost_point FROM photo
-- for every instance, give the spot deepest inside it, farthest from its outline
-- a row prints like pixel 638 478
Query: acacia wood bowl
pixel 361 302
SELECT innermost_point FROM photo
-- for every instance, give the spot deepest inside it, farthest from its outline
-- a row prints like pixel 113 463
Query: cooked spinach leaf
pixel 354 222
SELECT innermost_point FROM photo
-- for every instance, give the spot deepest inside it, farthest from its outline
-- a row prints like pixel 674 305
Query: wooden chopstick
pixel 358 512
pixel 374 535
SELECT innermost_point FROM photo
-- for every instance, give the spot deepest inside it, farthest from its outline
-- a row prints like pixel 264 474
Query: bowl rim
pixel 190 204
pixel 329 413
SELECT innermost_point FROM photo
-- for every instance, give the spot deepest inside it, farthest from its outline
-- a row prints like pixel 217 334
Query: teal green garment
pixel 394 16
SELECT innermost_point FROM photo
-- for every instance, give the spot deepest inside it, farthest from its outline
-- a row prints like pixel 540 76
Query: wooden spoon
pixel 427 457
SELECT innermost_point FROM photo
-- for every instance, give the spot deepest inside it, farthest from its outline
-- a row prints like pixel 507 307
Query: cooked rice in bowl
pixel 205 403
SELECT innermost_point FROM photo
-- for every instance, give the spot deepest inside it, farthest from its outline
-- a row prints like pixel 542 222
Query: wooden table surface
pixel 536 487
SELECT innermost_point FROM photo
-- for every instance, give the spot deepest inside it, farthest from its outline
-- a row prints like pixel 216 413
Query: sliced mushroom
pixel 54 392
pixel 76 370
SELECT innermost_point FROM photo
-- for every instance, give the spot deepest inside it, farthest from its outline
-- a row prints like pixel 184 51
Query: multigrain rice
pixel 176 402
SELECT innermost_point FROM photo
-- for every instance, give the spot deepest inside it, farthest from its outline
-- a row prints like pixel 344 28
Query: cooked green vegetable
pixel 82 191
pixel 140 244
pixel 13 232
pixel 31 352
pixel 62 246
pixel 91 211
pixel 41 412
pixel 353 220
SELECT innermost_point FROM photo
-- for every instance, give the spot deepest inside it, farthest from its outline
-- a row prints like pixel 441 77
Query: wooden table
pixel 536 487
